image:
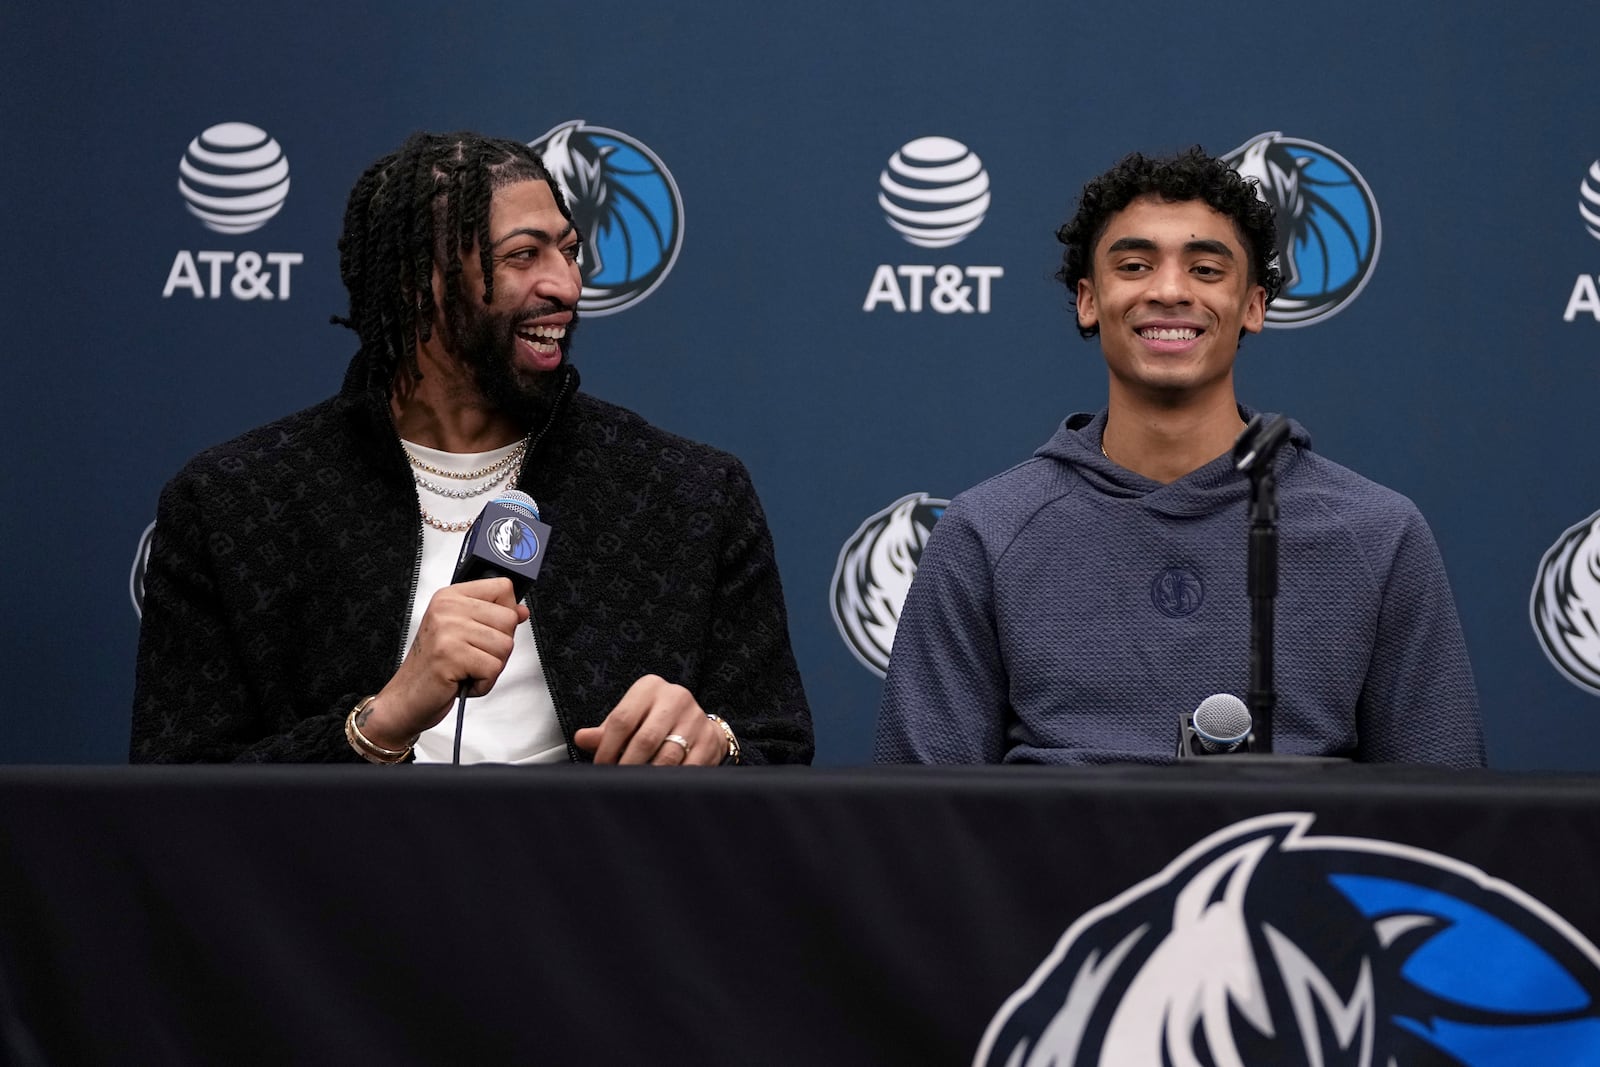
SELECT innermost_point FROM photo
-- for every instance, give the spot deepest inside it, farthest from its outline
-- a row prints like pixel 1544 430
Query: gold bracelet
pixel 733 741
pixel 359 741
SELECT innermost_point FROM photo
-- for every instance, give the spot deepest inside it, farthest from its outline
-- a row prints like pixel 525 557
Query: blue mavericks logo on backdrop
pixel 1566 603
pixel 1262 945
pixel 625 203
pixel 874 573
pixel 1328 226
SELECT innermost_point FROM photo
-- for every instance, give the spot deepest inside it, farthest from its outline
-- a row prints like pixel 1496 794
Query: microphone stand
pixel 1253 454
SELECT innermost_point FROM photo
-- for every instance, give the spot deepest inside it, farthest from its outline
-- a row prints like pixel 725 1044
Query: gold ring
pixel 679 740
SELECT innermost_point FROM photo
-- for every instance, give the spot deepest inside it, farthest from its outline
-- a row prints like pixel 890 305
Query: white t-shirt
pixel 515 722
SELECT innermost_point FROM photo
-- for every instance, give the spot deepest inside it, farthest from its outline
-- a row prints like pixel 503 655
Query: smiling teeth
pixel 1157 334
pixel 552 333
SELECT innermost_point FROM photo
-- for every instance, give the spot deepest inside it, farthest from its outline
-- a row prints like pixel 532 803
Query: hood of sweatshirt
pixel 1215 485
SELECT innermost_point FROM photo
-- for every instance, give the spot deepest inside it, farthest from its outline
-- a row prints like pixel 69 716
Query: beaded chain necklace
pixel 496 475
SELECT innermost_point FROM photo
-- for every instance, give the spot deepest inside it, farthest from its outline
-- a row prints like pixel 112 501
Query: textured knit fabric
pixel 1068 611
pixel 283 565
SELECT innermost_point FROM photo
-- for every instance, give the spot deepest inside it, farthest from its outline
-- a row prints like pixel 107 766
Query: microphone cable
pixel 461 719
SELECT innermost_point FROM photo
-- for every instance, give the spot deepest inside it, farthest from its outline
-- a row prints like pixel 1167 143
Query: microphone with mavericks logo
pixel 507 540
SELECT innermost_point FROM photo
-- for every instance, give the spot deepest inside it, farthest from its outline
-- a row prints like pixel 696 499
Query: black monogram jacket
pixel 284 564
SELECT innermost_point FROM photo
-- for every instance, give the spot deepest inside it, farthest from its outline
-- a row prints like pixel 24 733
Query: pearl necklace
pixel 441 525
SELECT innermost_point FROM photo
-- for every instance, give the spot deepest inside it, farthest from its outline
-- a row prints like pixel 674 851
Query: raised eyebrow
pixel 542 236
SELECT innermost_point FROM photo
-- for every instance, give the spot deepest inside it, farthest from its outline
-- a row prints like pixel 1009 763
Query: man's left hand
pixel 655 722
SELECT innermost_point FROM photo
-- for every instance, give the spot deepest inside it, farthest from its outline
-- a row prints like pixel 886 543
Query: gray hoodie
pixel 1068 610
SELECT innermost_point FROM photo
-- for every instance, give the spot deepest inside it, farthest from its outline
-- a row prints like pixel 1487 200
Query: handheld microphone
pixel 506 540
pixel 1220 724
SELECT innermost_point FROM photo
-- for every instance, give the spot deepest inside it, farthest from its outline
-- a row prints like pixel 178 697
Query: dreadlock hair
pixel 414 209
pixel 1191 175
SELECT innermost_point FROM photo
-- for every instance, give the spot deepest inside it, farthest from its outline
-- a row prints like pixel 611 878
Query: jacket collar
pixel 364 399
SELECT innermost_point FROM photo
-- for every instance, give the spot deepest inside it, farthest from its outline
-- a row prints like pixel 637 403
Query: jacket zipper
pixel 418 533
pixel 416 571
pixel 533 622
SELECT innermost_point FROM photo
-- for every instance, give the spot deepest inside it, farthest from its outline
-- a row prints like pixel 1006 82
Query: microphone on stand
pixel 1220 725
pixel 1253 453
pixel 506 540
pixel 1259 442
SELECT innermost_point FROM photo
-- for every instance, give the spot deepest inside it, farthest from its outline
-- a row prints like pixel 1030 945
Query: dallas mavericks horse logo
pixel 513 540
pixel 874 572
pixel 141 560
pixel 1264 945
pixel 1566 603
pixel 1328 227
pixel 627 207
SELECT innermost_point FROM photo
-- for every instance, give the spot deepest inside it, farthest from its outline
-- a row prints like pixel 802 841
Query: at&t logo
pixel 234 177
pixel 934 193
pixel 1585 294
pixel 1329 232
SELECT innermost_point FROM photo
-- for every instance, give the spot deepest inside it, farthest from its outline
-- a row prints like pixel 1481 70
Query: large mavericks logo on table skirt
pixel 1264 945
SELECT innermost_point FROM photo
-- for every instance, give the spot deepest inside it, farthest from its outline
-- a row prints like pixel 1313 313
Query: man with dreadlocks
pixel 1068 610
pixel 298 603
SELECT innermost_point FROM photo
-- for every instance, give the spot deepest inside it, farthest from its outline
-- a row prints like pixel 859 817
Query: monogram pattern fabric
pixel 283 566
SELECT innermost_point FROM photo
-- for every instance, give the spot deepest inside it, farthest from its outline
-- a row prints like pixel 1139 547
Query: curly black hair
pixel 1190 175
pixel 422 205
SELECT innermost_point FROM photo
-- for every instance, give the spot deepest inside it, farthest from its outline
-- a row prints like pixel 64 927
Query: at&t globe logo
pixel 234 178
pixel 1586 290
pixel 626 205
pixel 1329 232
pixel 934 192
pixel 1589 200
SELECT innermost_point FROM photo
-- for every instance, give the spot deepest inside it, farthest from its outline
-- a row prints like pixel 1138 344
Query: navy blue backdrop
pixel 1463 373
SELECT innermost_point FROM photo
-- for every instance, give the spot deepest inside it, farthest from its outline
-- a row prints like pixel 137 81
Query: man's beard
pixel 488 348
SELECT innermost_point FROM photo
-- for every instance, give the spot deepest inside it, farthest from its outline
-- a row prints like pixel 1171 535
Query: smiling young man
pixel 298 600
pixel 1068 610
